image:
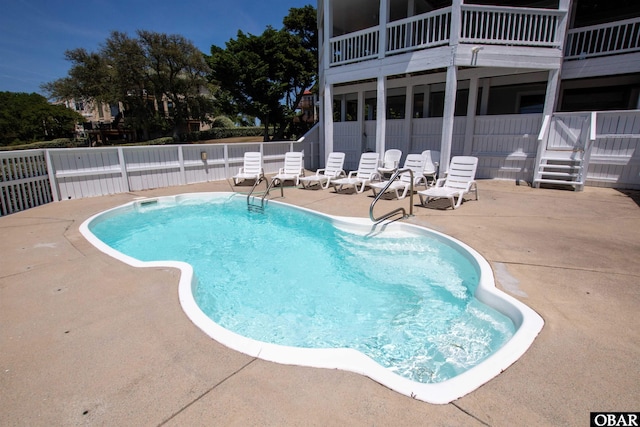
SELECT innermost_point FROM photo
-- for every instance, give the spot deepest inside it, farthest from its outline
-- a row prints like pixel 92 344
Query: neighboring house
pixel 431 74
pixel 308 108
pixel 103 121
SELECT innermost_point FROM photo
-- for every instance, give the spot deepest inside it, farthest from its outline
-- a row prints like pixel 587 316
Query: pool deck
pixel 88 340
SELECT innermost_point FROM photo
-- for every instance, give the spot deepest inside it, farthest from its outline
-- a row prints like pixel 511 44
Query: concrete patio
pixel 88 340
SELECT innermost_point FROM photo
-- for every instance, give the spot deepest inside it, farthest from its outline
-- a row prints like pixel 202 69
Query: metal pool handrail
pixel 398 210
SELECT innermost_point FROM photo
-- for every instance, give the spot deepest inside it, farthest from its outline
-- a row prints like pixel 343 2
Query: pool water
pixel 292 278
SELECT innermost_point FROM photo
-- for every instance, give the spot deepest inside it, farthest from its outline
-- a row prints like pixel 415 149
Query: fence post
pixel 52 177
pixel 123 169
pixel 183 175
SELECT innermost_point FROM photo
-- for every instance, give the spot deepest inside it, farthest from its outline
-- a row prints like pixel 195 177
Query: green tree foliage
pixel 265 76
pixel 141 72
pixel 30 117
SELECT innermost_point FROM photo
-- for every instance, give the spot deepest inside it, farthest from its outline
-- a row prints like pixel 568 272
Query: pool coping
pixel 527 321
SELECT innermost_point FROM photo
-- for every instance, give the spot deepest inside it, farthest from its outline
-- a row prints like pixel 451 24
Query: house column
pixel 553 87
pixel 381 119
pixel 448 117
pixel 471 116
pixel 450 89
pixel 552 92
pixel 408 116
pixel 382 22
pixel 361 121
pixel 327 110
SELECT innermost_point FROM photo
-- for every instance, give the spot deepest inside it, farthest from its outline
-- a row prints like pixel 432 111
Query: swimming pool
pixel 259 302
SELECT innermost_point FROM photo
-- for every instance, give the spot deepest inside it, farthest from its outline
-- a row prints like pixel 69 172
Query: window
pixel 396 106
pixel 436 103
pixel 337 109
pixel 599 98
pixel 370 105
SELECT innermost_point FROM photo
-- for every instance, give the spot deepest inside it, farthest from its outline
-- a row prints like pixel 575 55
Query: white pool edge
pixel 527 322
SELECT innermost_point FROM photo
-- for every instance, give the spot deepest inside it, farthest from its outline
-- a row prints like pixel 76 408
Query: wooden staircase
pixel 564 148
pixel 557 170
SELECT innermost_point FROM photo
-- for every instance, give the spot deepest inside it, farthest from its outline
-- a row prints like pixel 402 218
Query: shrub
pixel 222 122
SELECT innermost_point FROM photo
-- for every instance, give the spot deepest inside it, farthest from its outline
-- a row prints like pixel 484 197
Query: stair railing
pixel 398 210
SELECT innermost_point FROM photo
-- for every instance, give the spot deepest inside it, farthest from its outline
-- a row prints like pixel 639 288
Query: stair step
pixel 547 165
pixel 556 181
pixel 565 174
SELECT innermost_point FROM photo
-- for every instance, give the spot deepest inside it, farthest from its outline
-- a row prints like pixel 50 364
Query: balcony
pixel 494 25
pixel 614 38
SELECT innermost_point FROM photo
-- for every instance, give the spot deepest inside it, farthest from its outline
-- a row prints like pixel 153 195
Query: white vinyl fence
pixel 506 147
pixel 34 177
pixel 24 182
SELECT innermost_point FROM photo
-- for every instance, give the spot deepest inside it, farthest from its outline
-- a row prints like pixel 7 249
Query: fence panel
pixel 615 155
pixel 506 146
pixel 153 166
pixel 87 172
pixel 24 182
pixel 348 139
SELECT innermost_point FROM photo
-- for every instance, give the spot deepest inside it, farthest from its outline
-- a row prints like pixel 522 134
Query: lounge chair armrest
pixel 440 182
pixel 352 174
pixel 320 170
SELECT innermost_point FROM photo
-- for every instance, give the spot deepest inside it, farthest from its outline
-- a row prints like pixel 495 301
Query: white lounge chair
pixel 403 183
pixel 431 163
pixel 366 173
pixel 292 170
pixel 332 170
pixel 460 180
pixel 390 162
pixel 251 168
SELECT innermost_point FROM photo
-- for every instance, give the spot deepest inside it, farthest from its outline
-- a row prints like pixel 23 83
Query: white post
pixel 448 117
pixel 552 92
pixel 425 101
pixel 361 120
pixel 123 170
pixel 183 174
pixel 382 24
pixel 328 118
pixel 381 119
pixel 450 89
pixel 484 102
pixel 327 33
pixel 53 181
pixel 471 116
pixel 408 116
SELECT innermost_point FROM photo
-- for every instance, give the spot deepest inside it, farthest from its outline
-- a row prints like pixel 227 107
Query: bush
pixel 222 122
pixel 56 143
pixel 158 141
pixel 220 133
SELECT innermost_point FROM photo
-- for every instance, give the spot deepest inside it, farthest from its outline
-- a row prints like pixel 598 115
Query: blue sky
pixel 34 34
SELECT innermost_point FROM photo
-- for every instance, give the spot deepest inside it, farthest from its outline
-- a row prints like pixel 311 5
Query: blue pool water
pixel 291 278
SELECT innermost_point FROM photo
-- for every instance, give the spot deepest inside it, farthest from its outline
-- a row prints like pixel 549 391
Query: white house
pixel 478 77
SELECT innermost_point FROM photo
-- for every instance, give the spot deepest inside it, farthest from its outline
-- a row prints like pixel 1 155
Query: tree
pixel 29 117
pixel 265 76
pixel 141 73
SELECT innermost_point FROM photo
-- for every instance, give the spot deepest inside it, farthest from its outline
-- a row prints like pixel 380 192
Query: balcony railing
pixel 510 26
pixel 602 40
pixel 358 46
pixel 479 24
pixel 419 32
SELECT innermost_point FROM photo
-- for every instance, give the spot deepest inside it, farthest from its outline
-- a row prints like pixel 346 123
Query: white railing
pixel 505 145
pixel 510 26
pixel 479 24
pixel 601 40
pixel 24 182
pixel 357 46
pixel 419 32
